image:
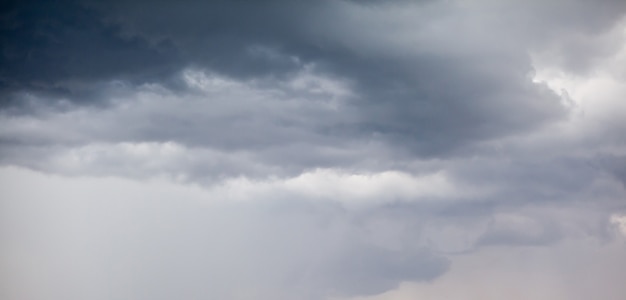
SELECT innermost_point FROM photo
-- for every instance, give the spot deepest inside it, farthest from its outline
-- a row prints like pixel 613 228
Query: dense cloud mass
pixel 322 150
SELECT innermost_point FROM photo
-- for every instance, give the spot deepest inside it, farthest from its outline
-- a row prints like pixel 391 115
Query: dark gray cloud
pixel 300 149
pixel 64 48
pixel 431 93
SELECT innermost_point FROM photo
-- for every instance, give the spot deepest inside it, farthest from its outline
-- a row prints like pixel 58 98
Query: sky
pixel 314 150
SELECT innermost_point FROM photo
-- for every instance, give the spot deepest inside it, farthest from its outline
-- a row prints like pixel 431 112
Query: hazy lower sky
pixel 313 150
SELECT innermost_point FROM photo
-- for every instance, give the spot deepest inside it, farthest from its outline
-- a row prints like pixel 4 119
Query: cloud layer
pixel 311 150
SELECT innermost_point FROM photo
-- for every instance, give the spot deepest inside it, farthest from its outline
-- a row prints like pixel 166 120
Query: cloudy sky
pixel 314 150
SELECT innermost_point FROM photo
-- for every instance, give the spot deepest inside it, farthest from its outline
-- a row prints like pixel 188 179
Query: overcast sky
pixel 314 150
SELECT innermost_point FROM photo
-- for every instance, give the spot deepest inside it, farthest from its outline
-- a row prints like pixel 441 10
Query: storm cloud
pixel 312 149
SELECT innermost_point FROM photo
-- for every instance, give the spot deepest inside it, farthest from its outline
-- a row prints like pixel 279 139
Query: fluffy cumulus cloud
pixel 316 150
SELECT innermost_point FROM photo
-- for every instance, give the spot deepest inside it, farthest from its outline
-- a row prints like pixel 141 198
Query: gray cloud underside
pixel 300 149
pixel 428 82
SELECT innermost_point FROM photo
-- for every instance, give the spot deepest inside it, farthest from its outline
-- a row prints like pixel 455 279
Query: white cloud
pixel 353 190
pixel 122 237
pixel 619 221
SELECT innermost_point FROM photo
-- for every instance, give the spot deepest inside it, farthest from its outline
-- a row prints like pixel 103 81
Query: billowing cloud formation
pixel 311 150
